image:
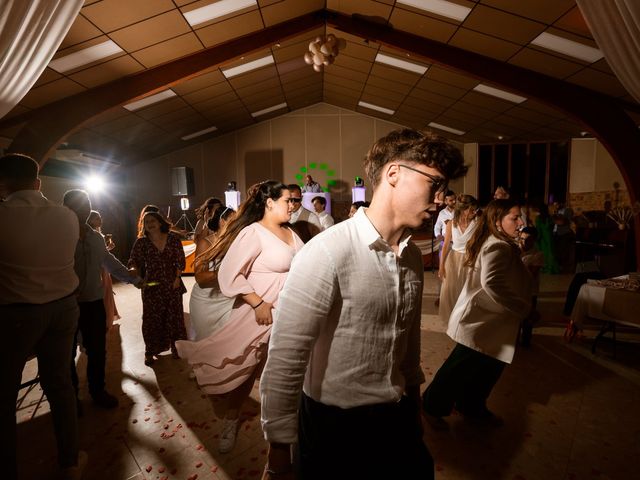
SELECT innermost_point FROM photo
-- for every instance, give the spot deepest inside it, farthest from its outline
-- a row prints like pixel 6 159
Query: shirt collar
pixel 372 237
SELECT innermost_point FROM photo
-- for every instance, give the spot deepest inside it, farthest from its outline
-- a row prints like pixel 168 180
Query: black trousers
pixel 464 381
pixel 93 327
pixel 379 441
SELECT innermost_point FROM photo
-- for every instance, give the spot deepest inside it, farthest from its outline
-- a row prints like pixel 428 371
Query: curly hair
pixel 414 146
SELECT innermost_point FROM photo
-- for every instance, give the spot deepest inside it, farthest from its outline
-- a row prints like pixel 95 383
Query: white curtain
pixel 30 33
pixel 615 25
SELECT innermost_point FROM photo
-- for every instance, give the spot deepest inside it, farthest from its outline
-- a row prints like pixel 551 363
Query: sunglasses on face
pixel 438 184
pixel 294 200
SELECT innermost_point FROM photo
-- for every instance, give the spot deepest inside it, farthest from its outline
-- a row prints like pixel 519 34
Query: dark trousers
pixel 379 441
pixel 464 381
pixel 92 325
pixel 47 331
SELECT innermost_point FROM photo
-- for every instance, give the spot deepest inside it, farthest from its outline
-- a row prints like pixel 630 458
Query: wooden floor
pixel 568 414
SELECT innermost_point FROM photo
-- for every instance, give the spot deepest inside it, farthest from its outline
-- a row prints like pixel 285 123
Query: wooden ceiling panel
pixel 256 88
pixel 287 9
pixel 450 77
pixel 168 119
pixel 168 50
pixel 217 20
pixel 378 98
pixel 501 24
pixel 50 92
pixel 344 82
pixel 389 84
pixel 544 63
pixel 126 121
pixel 371 8
pixel 599 81
pixel 151 31
pixel 345 72
pixel 352 63
pixel 536 119
pixel 440 88
pixel 395 98
pixel 432 97
pixel 486 101
pixel 231 28
pixel 422 25
pixel 207 93
pixel 395 74
pixel 267 99
pixel 254 77
pixel 315 82
pixel 484 44
pixel 48 75
pixel 199 82
pixel 545 11
pixel 108 71
pixel 81 30
pixel 217 101
pixel 161 108
pixel 474 110
pixel 110 15
pixel 574 22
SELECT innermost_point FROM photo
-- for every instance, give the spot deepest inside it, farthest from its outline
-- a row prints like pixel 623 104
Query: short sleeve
pixel 237 263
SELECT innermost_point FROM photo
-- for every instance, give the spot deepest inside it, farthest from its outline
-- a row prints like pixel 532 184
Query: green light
pixel 331 183
pixel 323 166
pixel 312 165
pixel 303 169
pixel 330 173
pixel 298 176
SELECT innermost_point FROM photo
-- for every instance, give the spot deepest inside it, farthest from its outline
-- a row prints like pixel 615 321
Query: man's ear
pixel 391 173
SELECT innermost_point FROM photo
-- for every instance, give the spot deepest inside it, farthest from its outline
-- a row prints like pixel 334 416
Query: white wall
pixel 591 167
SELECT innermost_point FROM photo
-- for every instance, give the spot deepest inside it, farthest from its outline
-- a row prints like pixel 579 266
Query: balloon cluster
pixel 323 51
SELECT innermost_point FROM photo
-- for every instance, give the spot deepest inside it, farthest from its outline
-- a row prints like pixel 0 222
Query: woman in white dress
pixel 452 272
pixel 209 309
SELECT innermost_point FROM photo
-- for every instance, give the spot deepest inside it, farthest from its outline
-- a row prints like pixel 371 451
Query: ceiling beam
pixel 47 126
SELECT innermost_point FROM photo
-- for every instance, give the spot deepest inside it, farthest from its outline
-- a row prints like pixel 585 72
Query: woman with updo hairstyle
pixel 157 256
pixel 256 249
pixel 203 214
pixel 485 320
pixel 452 271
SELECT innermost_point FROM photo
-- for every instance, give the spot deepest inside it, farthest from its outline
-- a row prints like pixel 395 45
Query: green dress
pixel 545 229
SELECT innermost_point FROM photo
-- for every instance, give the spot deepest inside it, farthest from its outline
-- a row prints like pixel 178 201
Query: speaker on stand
pixel 182 185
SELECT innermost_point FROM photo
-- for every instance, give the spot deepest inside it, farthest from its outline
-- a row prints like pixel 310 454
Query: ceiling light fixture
pixel 323 51
pixel 567 47
pixel 440 7
pixel 85 56
pixel 371 106
pixel 247 67
pixel 269 110
pixel 151 99
pixel 216 10
pixel 446 129
pixel 199 132
pixel 399 63
pixel 496 92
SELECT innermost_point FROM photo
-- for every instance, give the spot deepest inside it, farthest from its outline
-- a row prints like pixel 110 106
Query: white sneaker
pixel 228 435
pixel 75 473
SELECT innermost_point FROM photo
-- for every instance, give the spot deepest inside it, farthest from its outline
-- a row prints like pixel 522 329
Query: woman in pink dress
pixel 258 247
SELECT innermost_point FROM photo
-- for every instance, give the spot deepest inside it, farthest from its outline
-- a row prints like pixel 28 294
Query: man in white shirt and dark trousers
pixel 346 336
pixel 445 216
pixel 38 307
pixel 91 255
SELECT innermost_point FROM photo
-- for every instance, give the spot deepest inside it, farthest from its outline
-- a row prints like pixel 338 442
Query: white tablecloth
pixel 596 301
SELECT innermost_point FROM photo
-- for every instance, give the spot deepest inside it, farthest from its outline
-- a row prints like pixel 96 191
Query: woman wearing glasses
pixel 452 272
pixel 256 248
pixel 485 320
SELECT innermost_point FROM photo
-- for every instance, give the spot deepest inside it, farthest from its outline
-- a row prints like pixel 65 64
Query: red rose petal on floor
pixel 148 468
pixel 198 465
pixel 161 469
pixel 192 477
pixel 161 450
pixel 199 447
pixel 135 420
pixel 214 469
pixel 174 471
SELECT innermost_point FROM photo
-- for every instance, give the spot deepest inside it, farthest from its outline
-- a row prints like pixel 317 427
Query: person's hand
pixel 263 314
pixel 442 273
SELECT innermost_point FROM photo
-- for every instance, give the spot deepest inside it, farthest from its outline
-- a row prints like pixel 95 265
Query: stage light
pixel 184 204
pixel 94 184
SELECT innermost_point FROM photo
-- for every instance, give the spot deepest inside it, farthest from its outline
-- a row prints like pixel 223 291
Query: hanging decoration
pixel 323 51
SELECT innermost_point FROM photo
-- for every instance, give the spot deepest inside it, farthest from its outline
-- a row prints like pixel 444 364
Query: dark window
pixel 519 171
pixel 485 183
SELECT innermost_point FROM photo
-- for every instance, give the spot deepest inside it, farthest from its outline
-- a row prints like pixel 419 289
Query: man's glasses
pixel 438 184
pixel 294 200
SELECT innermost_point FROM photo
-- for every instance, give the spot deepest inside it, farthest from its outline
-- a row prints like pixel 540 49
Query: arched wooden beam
pixel 601 114
pixel 48 125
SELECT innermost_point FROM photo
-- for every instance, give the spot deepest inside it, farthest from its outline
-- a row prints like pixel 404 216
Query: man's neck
pixel 389 230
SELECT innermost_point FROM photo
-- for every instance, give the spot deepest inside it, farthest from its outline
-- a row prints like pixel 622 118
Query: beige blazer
pixel 495 298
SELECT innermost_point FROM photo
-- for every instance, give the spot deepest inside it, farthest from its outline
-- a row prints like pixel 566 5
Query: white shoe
pixel 228 435
pixel 75 473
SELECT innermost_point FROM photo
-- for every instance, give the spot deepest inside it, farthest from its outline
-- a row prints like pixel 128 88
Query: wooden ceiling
pixel 153 33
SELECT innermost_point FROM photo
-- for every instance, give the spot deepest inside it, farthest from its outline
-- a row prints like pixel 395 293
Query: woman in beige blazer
pixel 485 320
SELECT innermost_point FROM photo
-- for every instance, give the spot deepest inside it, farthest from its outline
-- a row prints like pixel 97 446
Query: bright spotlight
pixel 94 184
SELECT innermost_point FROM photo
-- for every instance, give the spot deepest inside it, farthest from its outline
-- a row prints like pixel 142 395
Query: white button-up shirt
pixel 444 216
pixel 347 326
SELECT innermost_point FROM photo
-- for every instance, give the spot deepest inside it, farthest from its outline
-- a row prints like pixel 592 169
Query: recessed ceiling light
pixel 446 129
pixel 495 92
pixel 246 67
pixel 440 7
pixel 269 110
pixel 567 47
pixel 199 132
pixel 85 56
pixel 403 64
pixel 216 10
pixel 371 106
pixel 158 97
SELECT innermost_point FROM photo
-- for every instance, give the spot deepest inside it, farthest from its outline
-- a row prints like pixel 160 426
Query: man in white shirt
pixel 445 215
pixel 305 223
pixel 37 306
pixel 347 329
pixel 310 185
pixel 319 204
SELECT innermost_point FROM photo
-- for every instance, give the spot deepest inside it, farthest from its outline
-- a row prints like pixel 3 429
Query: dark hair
pixel 359 204
pixel 294 186
pixel 70 195
pixel 17 171
pixel 221 213
pixel 450 193
pixel 531 231
pixel 495 211
pixel 165 226
pixel 92 215
pixel 207 206
pixel 250 211
pixel 463 203
pixel 322 200
pixel 145 209
pixel 414 146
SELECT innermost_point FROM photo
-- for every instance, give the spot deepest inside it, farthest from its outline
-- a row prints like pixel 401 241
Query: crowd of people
pixel 326 315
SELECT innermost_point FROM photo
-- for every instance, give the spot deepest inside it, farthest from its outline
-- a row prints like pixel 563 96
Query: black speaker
pixel 182 182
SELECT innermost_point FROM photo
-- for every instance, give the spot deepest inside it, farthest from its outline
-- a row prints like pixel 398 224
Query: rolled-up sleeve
pixel 236 265
pixel 304 305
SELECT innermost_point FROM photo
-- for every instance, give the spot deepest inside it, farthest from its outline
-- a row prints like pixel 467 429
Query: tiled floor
pixel 568 414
